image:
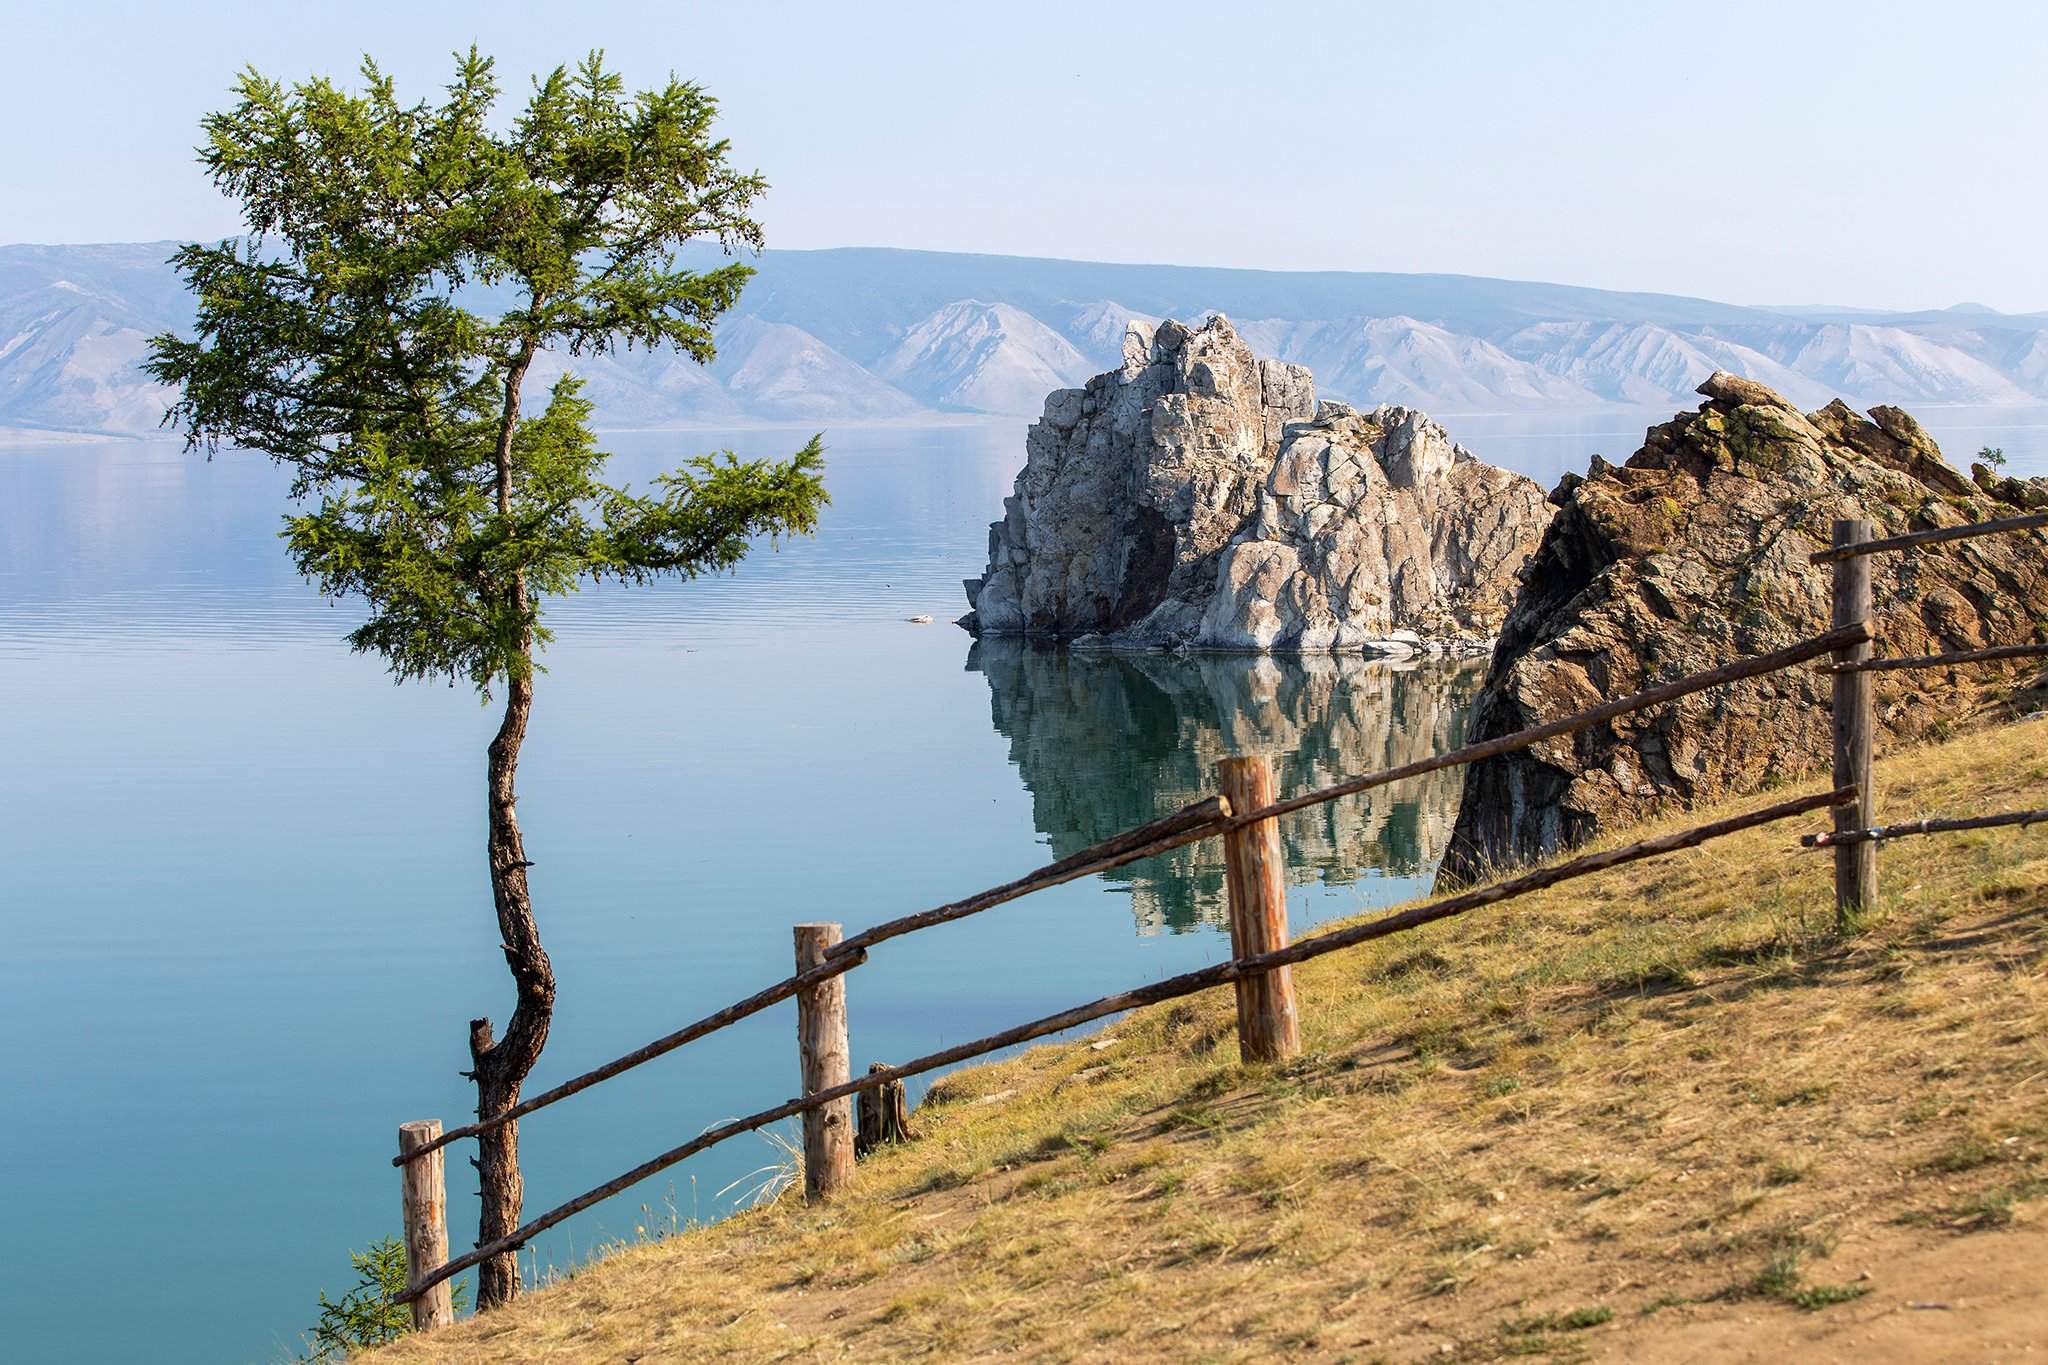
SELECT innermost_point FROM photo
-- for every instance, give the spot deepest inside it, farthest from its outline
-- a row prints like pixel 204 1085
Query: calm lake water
pixel 244 920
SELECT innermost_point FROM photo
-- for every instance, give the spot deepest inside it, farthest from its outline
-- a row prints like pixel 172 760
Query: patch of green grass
pixel 1805 1094
pixel 1993 1208
pixel 1741 1201
pixel 1927 1108
pixel 1783 1279
pixel 1966 1153
pixel 1577 1320
pixel 1200 1120
pixel 1538 1335
pixel 1814 1297
pixel 1426 961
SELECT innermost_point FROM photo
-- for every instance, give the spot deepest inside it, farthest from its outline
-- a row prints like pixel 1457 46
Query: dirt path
pixel 1933 1298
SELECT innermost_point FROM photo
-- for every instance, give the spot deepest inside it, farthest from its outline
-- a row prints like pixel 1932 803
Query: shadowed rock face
pixel 1200 496
pixel 1108 741
pixel 1695 554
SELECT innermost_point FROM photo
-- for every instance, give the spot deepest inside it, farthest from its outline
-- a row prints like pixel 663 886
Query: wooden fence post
pixel 424 1182
pixel 826 1062
pixel 1268 1029
pixel 1855 724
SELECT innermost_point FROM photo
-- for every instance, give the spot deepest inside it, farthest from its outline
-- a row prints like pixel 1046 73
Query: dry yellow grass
pixel 1660 1113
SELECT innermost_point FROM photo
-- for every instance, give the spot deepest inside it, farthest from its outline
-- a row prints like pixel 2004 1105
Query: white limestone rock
pixel 1199 497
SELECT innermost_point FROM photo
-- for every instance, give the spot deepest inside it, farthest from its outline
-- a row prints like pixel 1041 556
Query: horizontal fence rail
pixel 1928 826
pixel 1190 823
pixel 1196 821
pixel 1841 637
pixel 1189 983
pixel 1960 656
pixel 1917 538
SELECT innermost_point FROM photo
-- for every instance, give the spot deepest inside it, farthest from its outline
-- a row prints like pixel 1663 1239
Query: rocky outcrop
pixel 1107 741
pixel 1695 553
pixel 1199 497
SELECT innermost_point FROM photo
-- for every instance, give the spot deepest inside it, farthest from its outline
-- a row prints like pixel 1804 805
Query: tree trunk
pixel 502 1065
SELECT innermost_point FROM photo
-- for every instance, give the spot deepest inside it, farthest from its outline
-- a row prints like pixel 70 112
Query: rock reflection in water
pixel 1107 741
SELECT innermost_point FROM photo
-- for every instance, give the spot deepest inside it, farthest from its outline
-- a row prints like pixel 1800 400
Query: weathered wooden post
pixel 826 1062
pixel 1268 1029
pixel 1855 723
pixel 424 1181
pixel 884 1115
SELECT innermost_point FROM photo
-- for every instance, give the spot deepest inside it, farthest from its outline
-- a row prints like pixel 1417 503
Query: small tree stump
pixel 884 1116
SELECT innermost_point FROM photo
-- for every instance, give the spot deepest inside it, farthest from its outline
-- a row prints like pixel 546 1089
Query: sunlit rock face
pixel 1200 497
pixel 1107 741
pixel 1694 554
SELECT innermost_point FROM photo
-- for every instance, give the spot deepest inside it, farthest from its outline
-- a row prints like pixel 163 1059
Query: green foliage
pixel 1783 1280
pixel 365 1315
pixel 1992 457
pixel 1577 1320
pixel 346 337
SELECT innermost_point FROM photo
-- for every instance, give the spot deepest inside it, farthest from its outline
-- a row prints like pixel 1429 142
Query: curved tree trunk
pixel 502 1065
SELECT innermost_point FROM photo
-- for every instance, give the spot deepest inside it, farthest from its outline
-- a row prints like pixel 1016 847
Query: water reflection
pixel 1104 742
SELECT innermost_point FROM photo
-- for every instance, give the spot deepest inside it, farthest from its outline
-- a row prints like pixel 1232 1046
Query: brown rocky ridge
pixel 1695 553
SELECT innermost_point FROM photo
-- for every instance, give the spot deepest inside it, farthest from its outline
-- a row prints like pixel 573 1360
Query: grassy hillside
pixel 1662 1113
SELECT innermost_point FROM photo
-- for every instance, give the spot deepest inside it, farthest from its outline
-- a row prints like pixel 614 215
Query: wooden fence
pixel 1244 815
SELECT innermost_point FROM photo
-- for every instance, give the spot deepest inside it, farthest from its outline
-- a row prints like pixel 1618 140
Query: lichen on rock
pixel 1695 553
pixel 1200 497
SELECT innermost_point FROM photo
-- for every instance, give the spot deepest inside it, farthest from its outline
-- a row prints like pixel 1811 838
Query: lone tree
pixel 348 336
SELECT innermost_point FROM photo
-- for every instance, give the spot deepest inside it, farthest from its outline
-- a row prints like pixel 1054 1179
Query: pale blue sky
pixel 1874 153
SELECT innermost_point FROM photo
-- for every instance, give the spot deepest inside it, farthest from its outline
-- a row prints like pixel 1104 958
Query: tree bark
pixel 503 1064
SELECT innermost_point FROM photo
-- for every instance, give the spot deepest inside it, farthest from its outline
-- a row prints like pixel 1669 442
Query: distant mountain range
pixel 863 334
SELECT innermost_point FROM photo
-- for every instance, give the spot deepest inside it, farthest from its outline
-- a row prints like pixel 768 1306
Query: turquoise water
pixel 244 922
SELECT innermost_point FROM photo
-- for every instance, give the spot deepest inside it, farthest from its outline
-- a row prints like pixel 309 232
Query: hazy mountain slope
pixel 68 362
pixel 636 390
pixel 74 322
pixel 133 280
pixel 1859 358
pixel 2025 358
pixel 1403 360
pixel 773 369
pixel 985 357
pixel 871 333
pixel 1097 331
pixel 1643 364
pixel 861 299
